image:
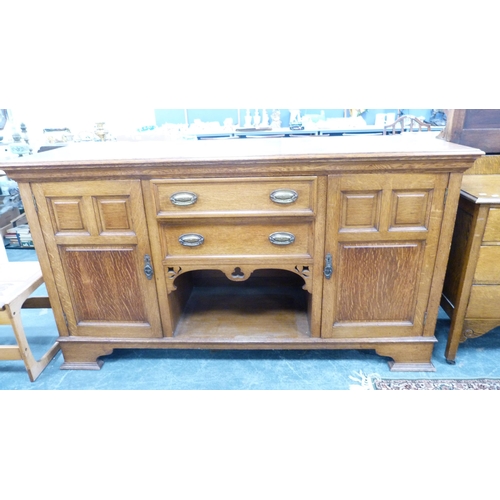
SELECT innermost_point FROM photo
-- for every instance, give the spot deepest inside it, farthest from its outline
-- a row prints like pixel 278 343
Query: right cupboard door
pixel 382 234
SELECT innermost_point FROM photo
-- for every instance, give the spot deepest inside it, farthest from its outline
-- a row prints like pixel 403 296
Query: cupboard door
pixel 97 240
pixel 382 234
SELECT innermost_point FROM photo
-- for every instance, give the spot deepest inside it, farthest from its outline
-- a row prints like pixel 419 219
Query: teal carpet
pixel 235 370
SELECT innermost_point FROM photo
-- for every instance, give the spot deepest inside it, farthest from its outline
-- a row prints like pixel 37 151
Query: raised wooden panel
pixel 410 210
pixel 382 203
pixel 67 215
pixel 492 230
pixel 113 215
pixel 104 284
pixel 92 209
pixel 360 211
pixel 378 282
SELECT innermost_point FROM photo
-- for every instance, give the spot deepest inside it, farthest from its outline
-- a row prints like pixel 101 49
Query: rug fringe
pixel 365 382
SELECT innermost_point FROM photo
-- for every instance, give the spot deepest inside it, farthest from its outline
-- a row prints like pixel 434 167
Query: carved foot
pixel 409 357
pixel 83 356
pixel 470 329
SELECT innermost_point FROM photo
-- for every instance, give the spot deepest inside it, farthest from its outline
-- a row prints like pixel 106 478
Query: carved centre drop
pixel 238 273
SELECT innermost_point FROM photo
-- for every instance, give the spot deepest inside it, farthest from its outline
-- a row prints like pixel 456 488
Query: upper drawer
pixel 226 197
pixel 492 230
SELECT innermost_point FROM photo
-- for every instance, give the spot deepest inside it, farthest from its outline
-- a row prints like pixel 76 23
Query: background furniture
pixel 471 293
pixel 479 128
pixel 406 123
pixel 317 243
pixel 18 280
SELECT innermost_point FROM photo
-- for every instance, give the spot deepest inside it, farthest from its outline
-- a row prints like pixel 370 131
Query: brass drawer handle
pixel 284 196
pixel 183 198
pixel 281 238
pixel 191 240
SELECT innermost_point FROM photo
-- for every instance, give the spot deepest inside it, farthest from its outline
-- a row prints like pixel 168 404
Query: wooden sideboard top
pixel 230 156
pixel 482 188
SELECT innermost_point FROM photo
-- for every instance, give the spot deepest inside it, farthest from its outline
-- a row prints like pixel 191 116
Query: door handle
pixel 328 271
pixel 148 268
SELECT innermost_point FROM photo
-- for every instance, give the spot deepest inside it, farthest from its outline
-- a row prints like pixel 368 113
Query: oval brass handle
pixel 191 240
pixel 183 198
pixel 281 238
pixel 284 196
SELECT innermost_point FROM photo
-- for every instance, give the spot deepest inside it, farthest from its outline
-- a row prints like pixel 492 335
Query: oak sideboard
pixel 272 243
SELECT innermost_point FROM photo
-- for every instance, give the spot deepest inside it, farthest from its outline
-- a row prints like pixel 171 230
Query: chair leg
pixel 33 366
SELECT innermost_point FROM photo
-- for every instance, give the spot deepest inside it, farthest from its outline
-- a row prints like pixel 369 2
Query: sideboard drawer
pixel 287 195
pixel 488 265
pixel 484 301
pixel 231 238
pixel 492 230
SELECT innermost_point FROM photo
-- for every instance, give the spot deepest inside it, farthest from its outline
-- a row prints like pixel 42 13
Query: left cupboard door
pixel 98 246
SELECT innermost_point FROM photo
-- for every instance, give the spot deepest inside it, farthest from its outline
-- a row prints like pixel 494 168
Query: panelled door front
pixel 97 240
pixel 381 238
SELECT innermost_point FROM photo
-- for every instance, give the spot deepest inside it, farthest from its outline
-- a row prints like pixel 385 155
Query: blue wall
pixel 178 116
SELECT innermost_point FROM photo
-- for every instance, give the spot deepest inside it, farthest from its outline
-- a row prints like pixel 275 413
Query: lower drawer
pixel 488 268
pixel 492 229
pixel 237 238
pixel 484 302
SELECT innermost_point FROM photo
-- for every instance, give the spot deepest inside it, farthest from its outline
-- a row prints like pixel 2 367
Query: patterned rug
pixel 483 384
pixel 374 382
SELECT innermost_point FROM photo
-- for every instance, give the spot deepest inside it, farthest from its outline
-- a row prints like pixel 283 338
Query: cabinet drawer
pixel 484 302
pixel 237 238
pixel 488 265
pixel 198 197
pixel 492 230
